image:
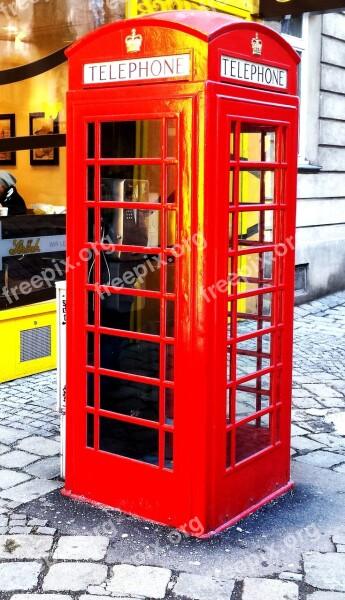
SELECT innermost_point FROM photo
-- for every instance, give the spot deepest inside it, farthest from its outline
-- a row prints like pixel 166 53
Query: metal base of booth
pixel 28 336
pixel 283 490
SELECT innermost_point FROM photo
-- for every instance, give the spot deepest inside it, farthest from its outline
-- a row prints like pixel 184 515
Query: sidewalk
pixel 292 549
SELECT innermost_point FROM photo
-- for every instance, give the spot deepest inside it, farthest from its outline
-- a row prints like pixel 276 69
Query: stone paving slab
pixel 321 458
pixel 39 445
pixel 16 459
pixel 73 576
pixel 304 444
pixel 150 582
pixel 17 576
pixel 46 468
pixel 269 589
pixel 201 587
pixel 25 492
pixel 80 547
pixel 18 547
pixel 10 435
pixel 9 478
pixel 325 571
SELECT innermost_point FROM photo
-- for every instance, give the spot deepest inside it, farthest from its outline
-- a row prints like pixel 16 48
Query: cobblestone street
pixel 292 549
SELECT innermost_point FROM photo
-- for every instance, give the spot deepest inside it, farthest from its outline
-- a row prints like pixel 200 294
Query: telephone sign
pixel 182 162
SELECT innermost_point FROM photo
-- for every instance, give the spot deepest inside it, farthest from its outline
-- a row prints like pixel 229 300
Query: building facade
pixel 320 242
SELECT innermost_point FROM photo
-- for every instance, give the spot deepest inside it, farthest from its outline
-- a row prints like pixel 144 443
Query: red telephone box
pixel 182 154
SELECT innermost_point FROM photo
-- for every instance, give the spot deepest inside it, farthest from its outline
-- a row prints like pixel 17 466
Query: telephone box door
pixel 131 189
pixel 255 166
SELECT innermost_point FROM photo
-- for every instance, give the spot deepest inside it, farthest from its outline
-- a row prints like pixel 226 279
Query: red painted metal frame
pixel 206 485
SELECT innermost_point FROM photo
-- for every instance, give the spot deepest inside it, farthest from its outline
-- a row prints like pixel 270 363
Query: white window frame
pixel 300 44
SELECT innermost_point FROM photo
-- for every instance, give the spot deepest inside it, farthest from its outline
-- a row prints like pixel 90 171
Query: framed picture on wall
pixel 7 129
pixel 42 125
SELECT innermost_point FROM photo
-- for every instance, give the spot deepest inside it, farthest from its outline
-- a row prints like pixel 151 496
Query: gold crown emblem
pixel 133 41
pixel 256 45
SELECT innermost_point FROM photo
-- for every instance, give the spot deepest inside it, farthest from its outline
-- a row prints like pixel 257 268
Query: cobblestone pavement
pixel 292 549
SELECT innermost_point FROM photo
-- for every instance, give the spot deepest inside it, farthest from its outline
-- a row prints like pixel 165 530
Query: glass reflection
pixel 129 355
pixel 256 187
pixel 254 313
pixel 256 268
pixel 255 228
pixel 129 440
pixel 131 313
pixel 131 398
pixel 131 139
pixel 258 143
pixel 252 437
pixel 253 355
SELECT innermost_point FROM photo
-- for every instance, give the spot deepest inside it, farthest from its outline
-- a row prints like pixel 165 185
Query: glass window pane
pixel 256 187
pixel 171 184
pixel 255 228
pixel 231 186
pixel 131 139
pixel 254 313
pixel 91 140
pixel 131 398
pixel 90 389
pixel 256 268
pixel 90 308
pixel 90 225
pixel 252 437
pixel 230 321
pixel 90 265
pixel 232 141
pixel 169 362
pixel 170 318
pixel 168 449
pixel 117 189
pixel 171 140
pixel 170 275
pixel 131 313
pixel 229 394
pixel 229 366
pixel 90 349
pixel 170 239
pixel 228 449
pixel 90 430
pixel 258 143
pixel 129 355
pixel 90 183
pixel 129 440
pixel 292 25
pixel 169 406
pixel 253 355
pixel 231 228
pixel 248 403
pixel 141 273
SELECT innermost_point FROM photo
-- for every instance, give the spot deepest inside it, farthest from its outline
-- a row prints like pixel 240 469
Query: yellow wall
pixel 240 8
pixel 43 93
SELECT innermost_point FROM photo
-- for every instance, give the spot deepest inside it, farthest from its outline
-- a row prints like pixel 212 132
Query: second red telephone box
pixel 182 155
